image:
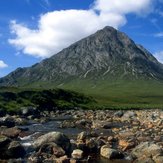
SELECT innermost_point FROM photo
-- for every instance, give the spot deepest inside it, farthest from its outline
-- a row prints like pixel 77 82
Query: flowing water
pixel 37 129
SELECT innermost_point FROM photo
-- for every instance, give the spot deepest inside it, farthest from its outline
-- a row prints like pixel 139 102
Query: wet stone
pixel 77 154
pixel 110 153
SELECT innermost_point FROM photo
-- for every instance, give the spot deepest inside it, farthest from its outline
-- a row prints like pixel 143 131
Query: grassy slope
pixel 122 94
pixel 115 94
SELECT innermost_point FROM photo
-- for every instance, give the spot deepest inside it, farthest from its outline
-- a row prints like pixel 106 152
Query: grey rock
pixel 11 132
pixel 92 145
pixel 77 154
pixel 4 141
pixel 82 136
pixel 118 114
pixel 15 150
pixel 110 153
pixel 83 123
pixel 7 121
pixel 56 137
pixel 52 149
pixel 26 111
pixel 129 114
pixel 148 149
pixel 144 160
pixel 158 159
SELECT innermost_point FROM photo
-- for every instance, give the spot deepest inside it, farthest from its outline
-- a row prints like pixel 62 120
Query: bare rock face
pixel 106 54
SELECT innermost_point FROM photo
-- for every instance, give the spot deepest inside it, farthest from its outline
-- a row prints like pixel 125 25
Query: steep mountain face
pixel 107 54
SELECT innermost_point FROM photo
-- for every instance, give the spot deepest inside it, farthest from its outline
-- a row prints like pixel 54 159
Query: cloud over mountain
pixel 58 29
pixel 2 64
pixel 159 56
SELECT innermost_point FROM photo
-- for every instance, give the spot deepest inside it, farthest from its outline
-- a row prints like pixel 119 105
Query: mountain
pixel 107 55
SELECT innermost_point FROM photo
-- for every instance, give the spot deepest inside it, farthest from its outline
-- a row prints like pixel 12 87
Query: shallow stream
pixel 37 129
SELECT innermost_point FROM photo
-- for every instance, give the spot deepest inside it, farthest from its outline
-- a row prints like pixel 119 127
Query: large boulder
pixel 129 114
pixel 144 160
pixel 83 123
pixel 147 149
pixel 4 141
pixel 10 149
pixel 56 137
pixel 118 113
pixel 7 121
pixel 158 159
pixel 49 152
pixel 26 111
pixel 92 145
pixel 15 150
pixel 110 153
pixel 82 136
pixel 11 132
pixel 126 145
pixel 52 149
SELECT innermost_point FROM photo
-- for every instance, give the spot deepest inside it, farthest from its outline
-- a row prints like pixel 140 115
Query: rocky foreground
pixel 117 136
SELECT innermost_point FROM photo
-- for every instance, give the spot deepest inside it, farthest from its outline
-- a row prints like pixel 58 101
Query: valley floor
pixel 138 94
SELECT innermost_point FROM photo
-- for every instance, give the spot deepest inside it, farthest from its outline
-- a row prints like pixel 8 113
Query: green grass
pixel 13 99
pixel 123 94
pixel 107 94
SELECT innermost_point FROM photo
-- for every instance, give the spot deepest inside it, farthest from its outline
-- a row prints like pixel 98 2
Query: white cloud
pixel 2 64
pixel 58 29
pixel 159 34
pixel 124 6
pixel 159 56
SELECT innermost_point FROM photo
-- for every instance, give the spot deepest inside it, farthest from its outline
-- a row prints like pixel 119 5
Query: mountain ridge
pixel 107 54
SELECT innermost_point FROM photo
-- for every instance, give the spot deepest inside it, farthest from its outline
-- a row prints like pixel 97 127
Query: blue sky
pixel 31 30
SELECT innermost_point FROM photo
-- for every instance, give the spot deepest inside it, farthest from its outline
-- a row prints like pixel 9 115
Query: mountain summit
pixel 106 55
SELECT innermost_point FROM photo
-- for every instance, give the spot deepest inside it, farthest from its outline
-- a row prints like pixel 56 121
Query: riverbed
pixel 122 131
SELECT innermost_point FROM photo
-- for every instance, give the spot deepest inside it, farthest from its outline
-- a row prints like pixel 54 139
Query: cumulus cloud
pixel 58 29
pixel 124 7
pixel 159 56
pixel 2 64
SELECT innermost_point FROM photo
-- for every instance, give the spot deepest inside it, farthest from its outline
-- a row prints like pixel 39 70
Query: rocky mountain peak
pixel 107 54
